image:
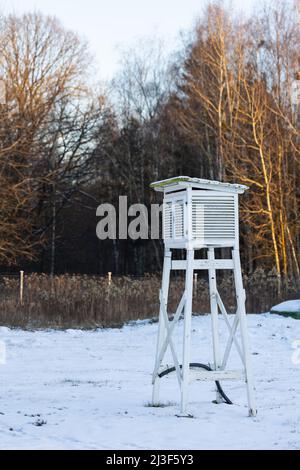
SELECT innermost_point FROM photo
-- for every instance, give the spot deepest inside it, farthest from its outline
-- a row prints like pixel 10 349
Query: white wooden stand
pixel 201 214
pixel 185 373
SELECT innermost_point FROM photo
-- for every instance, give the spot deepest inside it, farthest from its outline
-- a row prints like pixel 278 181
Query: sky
pixel 111 25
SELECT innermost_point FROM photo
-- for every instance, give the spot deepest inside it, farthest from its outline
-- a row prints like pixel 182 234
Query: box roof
pixel 182 182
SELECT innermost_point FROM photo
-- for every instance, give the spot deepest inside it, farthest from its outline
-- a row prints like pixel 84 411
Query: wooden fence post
pixel 21 286
pixel 195 280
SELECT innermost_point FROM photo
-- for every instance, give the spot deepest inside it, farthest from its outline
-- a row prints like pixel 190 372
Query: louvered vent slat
pixel 218 219
pixel 178 219
pixel 174 220
pixel 167 210
pixel 213 218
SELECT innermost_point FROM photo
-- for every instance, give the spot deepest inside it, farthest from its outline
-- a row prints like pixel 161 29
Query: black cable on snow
pixel 202 366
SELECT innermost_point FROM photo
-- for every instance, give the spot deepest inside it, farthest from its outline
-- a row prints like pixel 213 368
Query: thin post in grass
pixel 195 281
pixel 21 286
pixel 109 278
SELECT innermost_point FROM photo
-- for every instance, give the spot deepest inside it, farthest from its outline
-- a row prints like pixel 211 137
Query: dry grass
pixel 87 302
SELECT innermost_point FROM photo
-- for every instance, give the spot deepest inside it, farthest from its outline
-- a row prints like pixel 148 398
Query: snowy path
pixel 89 390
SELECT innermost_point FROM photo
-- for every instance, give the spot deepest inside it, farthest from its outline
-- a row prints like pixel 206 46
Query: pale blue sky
pixel 108 24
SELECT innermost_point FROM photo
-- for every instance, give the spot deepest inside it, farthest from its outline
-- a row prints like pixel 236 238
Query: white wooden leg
pixel 161 325
pixel 187 332
pixel 170 325
pixel 232 330
pixel 241 311
pixel 214 315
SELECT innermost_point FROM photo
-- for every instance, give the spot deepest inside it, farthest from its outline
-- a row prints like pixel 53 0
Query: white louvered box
pixel 199 213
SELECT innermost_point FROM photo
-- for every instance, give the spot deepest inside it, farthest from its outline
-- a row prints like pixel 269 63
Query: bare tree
pixel 47 118
pixel 234 104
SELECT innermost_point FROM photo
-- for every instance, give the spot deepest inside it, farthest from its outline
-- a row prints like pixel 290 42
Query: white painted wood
pixel 237 237
pixel 198 219
pixel 198 245
pixel 161 324
pixel 241 312
pixel 187 332
pixel 170 342
pixel 175 218
pixel 214 315
pixel 230 341
pixel 201 214
pixel 203 264
pixel 170 325
pixel 232 331
pixel 174 184
pixel 189 221
pixel 206 375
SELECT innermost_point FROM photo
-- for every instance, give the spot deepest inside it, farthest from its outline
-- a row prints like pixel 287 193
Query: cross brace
pixel 185 373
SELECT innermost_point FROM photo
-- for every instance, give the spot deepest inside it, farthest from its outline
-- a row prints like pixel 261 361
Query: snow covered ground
pixel 91 390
